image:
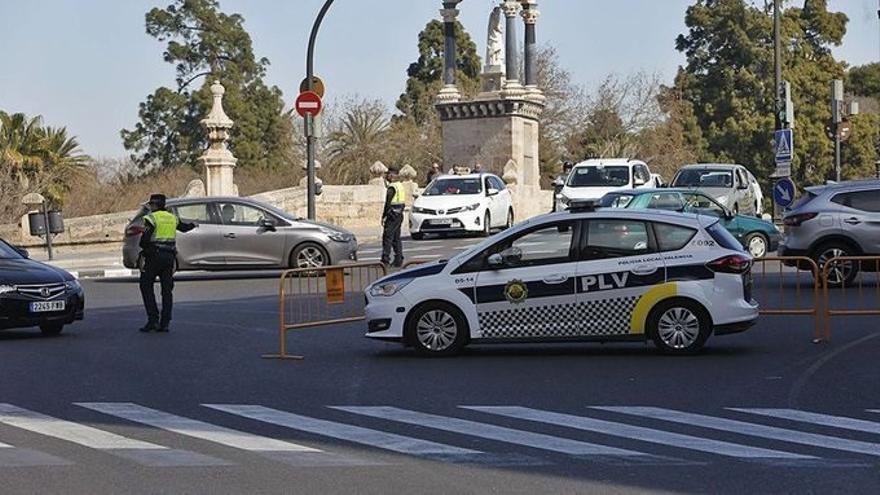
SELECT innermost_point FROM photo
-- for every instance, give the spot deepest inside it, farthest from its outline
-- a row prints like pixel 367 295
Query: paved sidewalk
pixel 97 261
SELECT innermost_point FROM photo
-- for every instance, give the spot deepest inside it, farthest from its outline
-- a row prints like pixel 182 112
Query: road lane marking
pixel 341 431
pixel 145 453
pixel 86 436
pixel 815 418
pixel 194 428
pixel 637 433
pixel 491 432
pixel 744 428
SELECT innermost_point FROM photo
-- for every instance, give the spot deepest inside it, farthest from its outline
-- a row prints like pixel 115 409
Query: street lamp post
pixel 777 60
pixel 309 119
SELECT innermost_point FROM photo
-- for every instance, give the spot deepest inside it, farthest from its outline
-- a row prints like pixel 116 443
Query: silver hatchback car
pixel 841 219
pixel 240 233
pixel 729 184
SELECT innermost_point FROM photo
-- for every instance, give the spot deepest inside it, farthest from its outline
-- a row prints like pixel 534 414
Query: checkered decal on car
pixel 589 318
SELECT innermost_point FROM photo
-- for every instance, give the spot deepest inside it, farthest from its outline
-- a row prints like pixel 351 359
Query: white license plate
pixel 442 221
pixel 45 307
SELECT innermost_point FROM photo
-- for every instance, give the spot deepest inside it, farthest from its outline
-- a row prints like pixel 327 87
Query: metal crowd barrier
pixel 772 296
pixel 861 304
pixel 310 297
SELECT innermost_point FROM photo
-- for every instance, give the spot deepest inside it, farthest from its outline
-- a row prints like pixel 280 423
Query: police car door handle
pixel 644 269
pixel 555 279
pixel 230 235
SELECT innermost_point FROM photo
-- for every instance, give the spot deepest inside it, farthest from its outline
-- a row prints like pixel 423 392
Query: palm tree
pixel 39 155
pixel 356 143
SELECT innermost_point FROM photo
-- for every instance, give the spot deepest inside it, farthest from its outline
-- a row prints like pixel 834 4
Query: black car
pixel 36 295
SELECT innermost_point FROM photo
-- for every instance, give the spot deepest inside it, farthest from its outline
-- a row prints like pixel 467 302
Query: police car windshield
pixel 7 253
pixel 599 176
pixel 703 178
pixel 453 187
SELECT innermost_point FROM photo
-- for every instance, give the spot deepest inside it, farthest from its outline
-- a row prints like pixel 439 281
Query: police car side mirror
pixel 495 260
pixel 492 192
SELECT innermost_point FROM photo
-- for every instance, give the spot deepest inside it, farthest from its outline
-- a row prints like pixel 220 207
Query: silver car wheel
pixel 436 330
pixel 840 270
pixel 757 246
pixel 678 327
pixel 310 257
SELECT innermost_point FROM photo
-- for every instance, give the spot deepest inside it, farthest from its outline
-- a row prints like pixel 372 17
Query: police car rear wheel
pixel 437 329
pixel 679 326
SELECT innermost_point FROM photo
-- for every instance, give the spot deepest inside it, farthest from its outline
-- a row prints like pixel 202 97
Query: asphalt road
pixel 106 409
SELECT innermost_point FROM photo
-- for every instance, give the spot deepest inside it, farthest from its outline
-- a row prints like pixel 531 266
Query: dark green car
pixel 757 236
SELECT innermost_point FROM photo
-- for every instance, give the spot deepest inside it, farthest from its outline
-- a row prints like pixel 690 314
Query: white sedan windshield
pixel 599 176
pixel 445 187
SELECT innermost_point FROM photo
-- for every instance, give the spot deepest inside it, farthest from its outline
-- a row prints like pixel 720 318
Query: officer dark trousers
pixel 159 264
pixel 391 237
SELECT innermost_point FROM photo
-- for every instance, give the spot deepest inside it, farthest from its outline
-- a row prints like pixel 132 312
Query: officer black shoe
pixel 397 263
pixel 164 329
pixel 149 327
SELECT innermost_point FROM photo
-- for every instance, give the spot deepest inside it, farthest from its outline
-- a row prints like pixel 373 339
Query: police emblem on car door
pixel 525 284
pixel 619 266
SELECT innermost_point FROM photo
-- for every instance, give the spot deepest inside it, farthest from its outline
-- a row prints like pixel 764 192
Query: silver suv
pixel 841 219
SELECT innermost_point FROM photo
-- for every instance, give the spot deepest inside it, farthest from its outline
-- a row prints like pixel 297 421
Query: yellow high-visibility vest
pixel 164 227
pixel 399 193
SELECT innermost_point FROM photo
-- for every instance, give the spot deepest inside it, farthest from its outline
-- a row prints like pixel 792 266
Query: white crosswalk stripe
pixel 488 431
pixel 342 431
pixel 194 428
pixel 143 452
pixel 752 429
pixel 638 433
pixel 815 418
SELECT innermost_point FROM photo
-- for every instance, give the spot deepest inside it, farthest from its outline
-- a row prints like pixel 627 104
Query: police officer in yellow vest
pixel 159 248
pixel 392 219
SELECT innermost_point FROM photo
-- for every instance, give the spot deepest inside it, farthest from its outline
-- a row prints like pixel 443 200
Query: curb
pixel 109 273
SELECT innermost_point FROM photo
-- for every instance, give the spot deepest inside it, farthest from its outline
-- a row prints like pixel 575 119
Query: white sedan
pixel 462 203
pixel 577 275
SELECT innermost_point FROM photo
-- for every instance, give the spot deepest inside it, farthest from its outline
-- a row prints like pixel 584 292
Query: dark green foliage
pixel 205 45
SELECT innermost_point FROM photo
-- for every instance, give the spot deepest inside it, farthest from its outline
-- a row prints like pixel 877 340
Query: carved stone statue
pixel 495 42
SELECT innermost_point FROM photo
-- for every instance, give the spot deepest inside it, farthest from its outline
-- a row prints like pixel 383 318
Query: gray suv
pixel 240 233
pixel 841 219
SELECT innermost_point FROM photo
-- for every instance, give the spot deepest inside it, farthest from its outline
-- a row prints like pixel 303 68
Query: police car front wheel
pixel 437 329
pixel 679 326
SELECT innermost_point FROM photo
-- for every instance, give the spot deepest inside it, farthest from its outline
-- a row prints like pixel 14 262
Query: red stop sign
pixel 308 103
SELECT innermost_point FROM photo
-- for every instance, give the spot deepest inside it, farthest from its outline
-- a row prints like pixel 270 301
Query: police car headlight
pixel 416 209
pixel 471 207
pixel 72 285
pixel 6 289
pixel 386 289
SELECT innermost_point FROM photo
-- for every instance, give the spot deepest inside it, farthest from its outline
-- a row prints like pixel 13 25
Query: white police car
pixel 577 275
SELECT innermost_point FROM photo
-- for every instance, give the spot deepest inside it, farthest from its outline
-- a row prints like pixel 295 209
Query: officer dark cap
pixel 158 199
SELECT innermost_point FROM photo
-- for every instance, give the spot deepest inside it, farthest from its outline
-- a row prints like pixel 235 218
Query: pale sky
pixel 86 64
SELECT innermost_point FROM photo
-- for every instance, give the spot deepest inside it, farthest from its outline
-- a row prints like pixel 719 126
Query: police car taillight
pixel 735 263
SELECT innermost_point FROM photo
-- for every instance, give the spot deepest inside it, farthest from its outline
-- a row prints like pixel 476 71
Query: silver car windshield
pixel 599 176
pixel 703 178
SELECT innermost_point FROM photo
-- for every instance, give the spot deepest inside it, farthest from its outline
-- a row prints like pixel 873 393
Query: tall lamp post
pixel 309 119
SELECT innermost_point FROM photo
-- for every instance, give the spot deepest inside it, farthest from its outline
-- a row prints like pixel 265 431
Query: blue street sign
pixel 784 145
pixel 783 192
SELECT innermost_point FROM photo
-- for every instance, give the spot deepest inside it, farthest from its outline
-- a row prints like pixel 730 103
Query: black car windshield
pixel 615 200
pixel 444 187
pixel 599 176
pixel 693 177
pixel 8 253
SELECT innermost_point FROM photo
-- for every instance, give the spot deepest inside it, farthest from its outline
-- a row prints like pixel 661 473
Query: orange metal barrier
pixel 806 280
pixel 310 297
pixel 864 305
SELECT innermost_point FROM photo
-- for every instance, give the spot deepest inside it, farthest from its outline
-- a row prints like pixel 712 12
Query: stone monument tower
pixel 502 123
pixel 218 160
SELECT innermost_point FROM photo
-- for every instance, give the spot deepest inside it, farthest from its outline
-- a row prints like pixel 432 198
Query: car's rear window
pixel 724 238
